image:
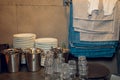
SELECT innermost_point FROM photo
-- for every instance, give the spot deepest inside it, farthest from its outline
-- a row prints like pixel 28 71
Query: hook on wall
pixel 67 2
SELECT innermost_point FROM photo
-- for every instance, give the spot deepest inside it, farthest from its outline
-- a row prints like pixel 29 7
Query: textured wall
pixel 46 18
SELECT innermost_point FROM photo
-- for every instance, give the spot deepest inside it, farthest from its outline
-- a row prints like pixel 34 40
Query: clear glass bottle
pixel 72 68
pixel 48 65
pixel 58 60
pixel 83 68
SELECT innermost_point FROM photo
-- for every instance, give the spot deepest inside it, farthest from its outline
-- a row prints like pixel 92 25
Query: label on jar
pixel 42 60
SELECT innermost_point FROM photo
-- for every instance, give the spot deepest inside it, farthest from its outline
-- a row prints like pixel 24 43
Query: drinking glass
pixel 83 67
pixel 65 71
pixel 49 66
pixel 72 67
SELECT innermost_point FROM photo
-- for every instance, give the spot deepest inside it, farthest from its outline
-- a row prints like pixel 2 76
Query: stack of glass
pixel 83 68
pixel 48 66
pixel 72 68
pixel 56 68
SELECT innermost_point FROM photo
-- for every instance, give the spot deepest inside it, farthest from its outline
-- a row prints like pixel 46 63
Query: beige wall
pixel 45 18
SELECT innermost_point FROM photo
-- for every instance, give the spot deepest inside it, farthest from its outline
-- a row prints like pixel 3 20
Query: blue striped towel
pixel 90 49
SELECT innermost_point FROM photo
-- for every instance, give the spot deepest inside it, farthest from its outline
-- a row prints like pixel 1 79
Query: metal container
pixel 33 57
pixel 12 57
pixel 3 66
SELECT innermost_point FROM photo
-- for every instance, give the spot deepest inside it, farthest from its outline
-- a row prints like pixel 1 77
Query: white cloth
pixel 80 8
pixel 96 23
pixel 95 26
pixel 99 36
pixel 80 11
pixel 90 36
pixel 93 33
pixel 93 5
pixel 108 6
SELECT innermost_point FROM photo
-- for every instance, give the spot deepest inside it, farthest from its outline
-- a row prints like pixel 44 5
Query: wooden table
pixel 23 75
pixel 95 72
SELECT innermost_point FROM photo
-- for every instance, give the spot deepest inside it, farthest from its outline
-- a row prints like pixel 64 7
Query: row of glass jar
pixel 57 69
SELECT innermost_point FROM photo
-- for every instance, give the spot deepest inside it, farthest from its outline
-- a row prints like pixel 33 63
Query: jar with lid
pixel 83 68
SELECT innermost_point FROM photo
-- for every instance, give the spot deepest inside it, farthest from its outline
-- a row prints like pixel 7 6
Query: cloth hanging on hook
pixel 90 49
pixel 80 8
pixel 102 26
pixel 93 5
pixel 108 6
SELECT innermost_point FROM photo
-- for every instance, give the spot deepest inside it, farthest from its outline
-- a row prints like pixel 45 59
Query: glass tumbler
pixel 72 67
pixel 49 66
pixel 65 72
pixel 83 68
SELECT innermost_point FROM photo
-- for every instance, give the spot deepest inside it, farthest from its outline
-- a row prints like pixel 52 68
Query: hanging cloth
pixel 108 6
pixel 93 5
pixel 97 28
pixel 91 49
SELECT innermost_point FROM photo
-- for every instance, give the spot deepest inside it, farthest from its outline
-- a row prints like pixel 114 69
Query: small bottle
pixel 83 68
pixel 48 65
pixel 58 60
